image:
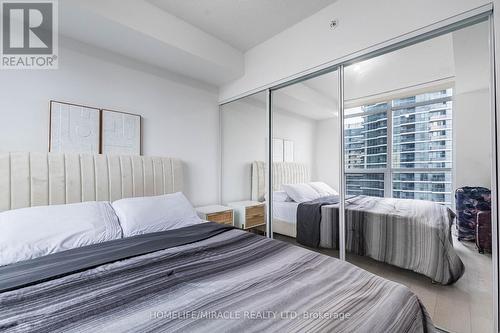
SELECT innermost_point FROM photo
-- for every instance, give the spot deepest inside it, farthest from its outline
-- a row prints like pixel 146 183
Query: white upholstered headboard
pixel 35 179
pixel 283 173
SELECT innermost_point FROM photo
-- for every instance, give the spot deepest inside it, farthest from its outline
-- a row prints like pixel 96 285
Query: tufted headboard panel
pixel 283 173
pixel 36 179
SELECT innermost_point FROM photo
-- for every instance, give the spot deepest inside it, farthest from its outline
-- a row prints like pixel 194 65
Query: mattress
pixel 285 211
pixel 202 278
pixel 285 218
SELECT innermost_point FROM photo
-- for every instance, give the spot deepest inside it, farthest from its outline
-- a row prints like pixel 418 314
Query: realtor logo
pixel 29 34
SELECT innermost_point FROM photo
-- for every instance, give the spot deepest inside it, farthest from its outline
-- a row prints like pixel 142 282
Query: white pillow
pixel 151 214
pixel 323 189
pixel 279 196
pixel 301 192
pixel 30 233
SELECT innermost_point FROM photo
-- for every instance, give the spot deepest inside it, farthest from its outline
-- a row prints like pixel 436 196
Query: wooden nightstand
pixel 216 213
pixel 248 214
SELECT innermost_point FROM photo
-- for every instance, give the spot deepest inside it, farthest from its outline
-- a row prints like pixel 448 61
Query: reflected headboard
pixel 283 173
pixel 36 179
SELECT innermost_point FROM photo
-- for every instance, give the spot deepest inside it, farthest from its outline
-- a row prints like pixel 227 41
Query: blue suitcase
pixel 470 201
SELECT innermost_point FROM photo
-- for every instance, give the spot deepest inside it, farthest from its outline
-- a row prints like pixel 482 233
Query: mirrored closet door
pixel 306 163
pixel 243 155
pixel 386 162
pixel 418 143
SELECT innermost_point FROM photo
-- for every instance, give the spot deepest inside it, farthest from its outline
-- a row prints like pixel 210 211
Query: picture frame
pixel 81 128
pixel 73 128
pixel 283 150
pixel 120 133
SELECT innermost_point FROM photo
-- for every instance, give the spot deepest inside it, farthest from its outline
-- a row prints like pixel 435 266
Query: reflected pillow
pixel 152 214
pixel 301 192
pixel 323 189
pixel 30 233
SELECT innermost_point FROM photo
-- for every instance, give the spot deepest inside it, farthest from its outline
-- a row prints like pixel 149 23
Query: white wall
pixel 180 116
pixel 362 24
pixel 327 160
pixel 471 107
pixel 301 131
pixel 244 140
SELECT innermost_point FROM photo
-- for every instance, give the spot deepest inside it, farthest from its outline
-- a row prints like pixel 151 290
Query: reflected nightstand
pixel 248 214
pixel 216 213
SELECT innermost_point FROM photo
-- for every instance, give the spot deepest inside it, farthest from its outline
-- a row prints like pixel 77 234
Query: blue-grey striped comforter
pixel 231 281
pixel 411 234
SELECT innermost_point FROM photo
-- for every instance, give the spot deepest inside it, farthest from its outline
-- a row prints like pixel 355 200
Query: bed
pixel 204 277
pixel 285 218
pixel 410 234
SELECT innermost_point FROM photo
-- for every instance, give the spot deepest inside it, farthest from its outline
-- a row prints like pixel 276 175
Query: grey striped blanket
pixel 231 282
pixel 411 234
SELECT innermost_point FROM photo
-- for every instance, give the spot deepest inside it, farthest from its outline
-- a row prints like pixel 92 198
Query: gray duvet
pixel 228 281
pixel 410 234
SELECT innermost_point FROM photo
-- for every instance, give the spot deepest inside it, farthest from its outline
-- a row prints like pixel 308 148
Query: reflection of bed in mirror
pixel 284 213
pixel 285 218
pixel 410 234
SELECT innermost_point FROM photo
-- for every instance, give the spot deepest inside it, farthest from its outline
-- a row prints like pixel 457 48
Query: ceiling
pixel 316 99
pixel 242 23
pixel 142 32
pixel 429 63
pixel 201 39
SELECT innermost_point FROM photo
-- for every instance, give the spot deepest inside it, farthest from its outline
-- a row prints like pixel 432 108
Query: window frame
pixel 389 170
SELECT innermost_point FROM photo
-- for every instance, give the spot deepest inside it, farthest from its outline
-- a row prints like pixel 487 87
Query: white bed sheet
pixel 285 211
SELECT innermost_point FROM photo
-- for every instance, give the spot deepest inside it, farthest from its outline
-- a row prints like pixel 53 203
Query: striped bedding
pixel 411 234
pixel 234 281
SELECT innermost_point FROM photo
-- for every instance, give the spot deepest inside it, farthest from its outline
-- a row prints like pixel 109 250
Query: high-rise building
pixel 401 148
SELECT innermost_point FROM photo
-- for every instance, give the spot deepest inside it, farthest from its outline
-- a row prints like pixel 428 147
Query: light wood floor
pixel 464 307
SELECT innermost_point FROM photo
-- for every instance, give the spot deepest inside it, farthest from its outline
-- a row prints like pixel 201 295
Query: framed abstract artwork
pixel 74 128
pixel 288 151
pixel 121 133
pixel 283 150
pixel 79 128
pixel 277 150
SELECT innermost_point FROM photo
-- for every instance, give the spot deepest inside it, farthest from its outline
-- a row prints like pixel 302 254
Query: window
pixel 401 148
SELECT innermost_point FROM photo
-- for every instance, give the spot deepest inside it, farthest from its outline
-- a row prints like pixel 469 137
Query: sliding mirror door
pixel 418 143
pixel 306 166
pixel 243 153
